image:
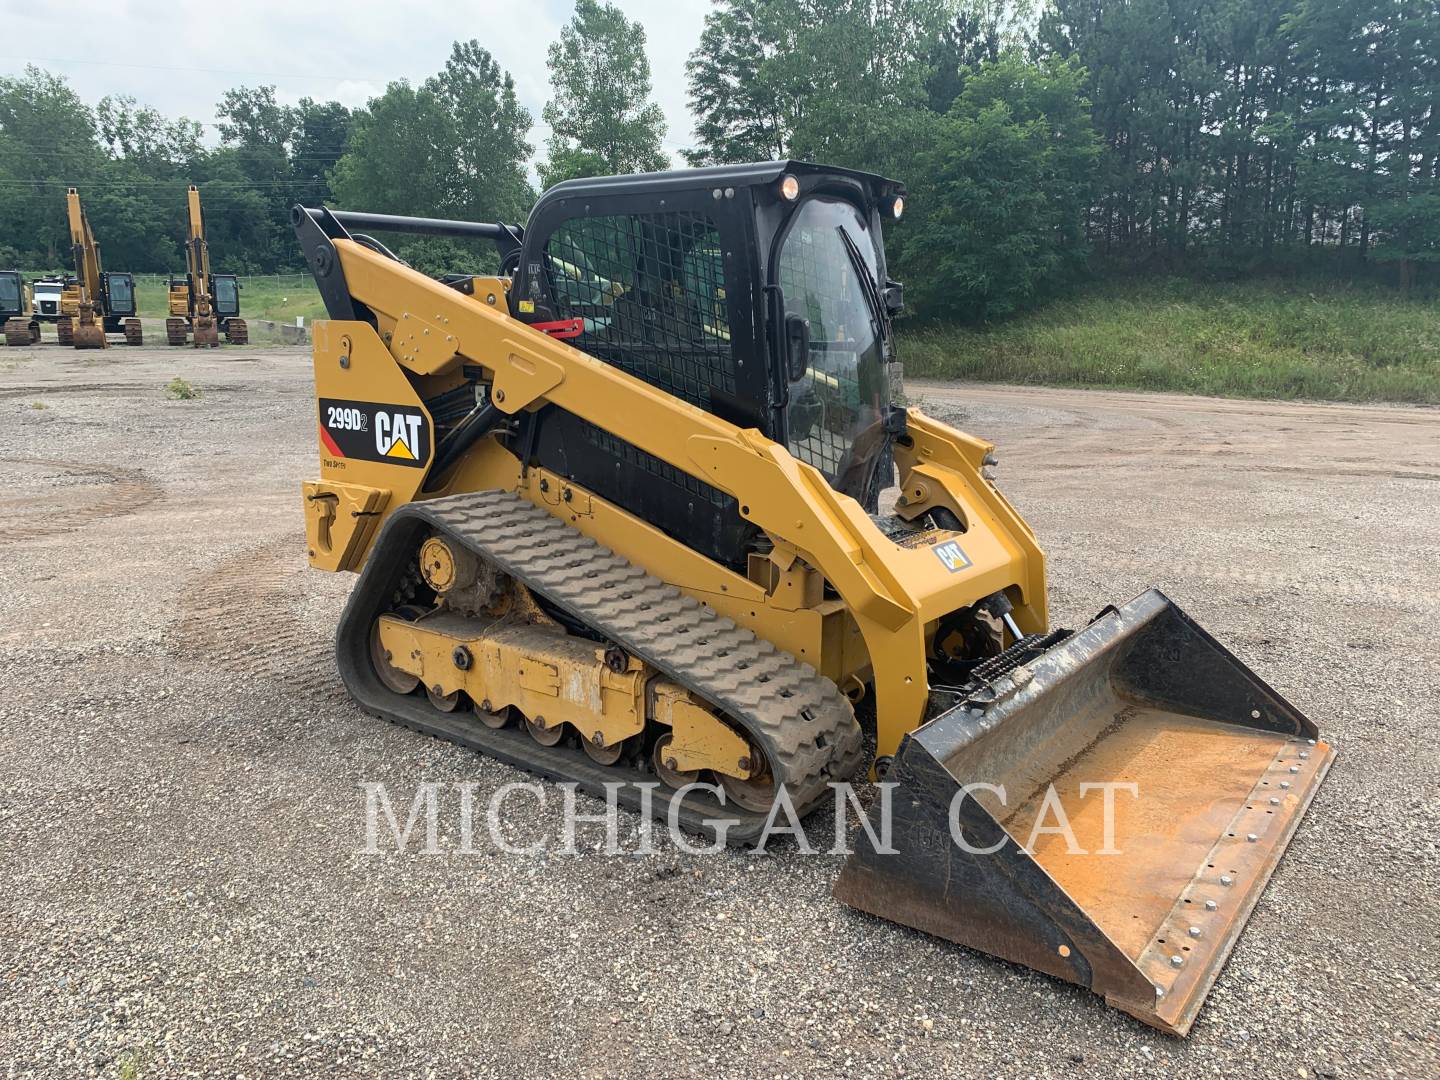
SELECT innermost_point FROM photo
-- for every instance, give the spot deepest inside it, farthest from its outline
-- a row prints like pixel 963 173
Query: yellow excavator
pixel 638 510
pixel 17 309
pixel 96 303
pixel 203 303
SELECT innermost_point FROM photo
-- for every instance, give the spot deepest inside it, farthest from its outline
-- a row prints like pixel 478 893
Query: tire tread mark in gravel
pixel 125 492
pixel 238 618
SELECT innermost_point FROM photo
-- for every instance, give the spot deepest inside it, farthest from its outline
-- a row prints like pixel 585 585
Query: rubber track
pixel 805 724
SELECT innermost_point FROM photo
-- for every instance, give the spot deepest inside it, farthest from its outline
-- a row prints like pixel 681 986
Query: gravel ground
pixel 182 819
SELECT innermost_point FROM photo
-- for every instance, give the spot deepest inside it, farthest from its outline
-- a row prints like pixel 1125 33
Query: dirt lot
pixel 182 820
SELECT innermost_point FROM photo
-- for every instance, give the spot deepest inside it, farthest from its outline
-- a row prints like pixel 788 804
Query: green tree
pixel 827 80
pixel 394 163
pixel 741 115
pixel 47 141
pixel 142 135
pixel 482 146
pixel 1372 79
pixel 252 117
pixel 454 147
pixel 256 132
pixel 602 121
pixel 322 130
pixel 1002 184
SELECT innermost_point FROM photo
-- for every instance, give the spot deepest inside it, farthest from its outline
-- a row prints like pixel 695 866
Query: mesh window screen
pixel 651 291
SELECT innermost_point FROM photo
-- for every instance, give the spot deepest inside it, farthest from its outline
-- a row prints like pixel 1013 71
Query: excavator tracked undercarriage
pixel 616 511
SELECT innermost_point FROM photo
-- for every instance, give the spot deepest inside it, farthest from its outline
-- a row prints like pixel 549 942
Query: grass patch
pixel 180 390
pixel 38 405
pixel 280 297
pixel 261 297
pixel 1261 339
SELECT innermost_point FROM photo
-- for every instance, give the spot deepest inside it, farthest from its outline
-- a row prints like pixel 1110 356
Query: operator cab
pixel 758 293
pixel 119 294
pixel 12 294
pixel 225 295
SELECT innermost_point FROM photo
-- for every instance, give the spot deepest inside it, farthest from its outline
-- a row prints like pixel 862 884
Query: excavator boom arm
pixel 197 253
pixel 86 251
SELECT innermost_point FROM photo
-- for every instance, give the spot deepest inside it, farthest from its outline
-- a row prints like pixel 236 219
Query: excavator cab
pixel 12 294
pixel 119 294
pixel 225 296
pixel 17 310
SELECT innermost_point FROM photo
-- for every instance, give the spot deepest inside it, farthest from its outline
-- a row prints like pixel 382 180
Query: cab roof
pixel 877 189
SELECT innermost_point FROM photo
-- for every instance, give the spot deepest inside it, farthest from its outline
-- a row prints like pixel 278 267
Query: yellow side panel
pixel 340 522
pixel 376 440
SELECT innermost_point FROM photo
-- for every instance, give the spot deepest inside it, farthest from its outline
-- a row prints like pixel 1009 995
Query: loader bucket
pixel 1222 770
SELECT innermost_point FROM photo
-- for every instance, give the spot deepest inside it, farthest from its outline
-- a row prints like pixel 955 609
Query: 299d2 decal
pixel 375 431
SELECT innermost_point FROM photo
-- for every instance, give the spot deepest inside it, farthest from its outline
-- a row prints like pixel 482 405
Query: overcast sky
pixel 318 48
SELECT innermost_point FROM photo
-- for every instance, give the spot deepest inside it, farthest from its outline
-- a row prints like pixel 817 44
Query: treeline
pixel 1216 136
pixel 1221 136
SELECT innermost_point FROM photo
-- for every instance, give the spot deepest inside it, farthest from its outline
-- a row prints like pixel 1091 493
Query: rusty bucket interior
pixel 1107 811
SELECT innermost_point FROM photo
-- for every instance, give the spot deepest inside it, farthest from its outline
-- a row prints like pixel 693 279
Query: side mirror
pixel 797 346
pixel 894 298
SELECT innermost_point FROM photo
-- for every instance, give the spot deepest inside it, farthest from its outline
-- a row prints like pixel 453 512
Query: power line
pixel 164 67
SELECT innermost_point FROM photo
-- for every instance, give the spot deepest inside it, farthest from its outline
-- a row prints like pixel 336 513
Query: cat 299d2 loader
pixel 203 303
pixel 96 303
pixel 616 515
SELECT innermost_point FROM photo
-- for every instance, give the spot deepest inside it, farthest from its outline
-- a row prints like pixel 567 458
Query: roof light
pixel 789 187
pixel 898 206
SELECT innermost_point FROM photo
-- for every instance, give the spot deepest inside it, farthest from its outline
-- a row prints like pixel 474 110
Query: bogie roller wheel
pixel 665 765
pixel 543 733
pixel 444 702
pixel 493 720
pixel 402 682
pixel 755 792
pixel 605 755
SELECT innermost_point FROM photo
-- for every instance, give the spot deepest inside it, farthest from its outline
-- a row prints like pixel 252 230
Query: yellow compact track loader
pixel 617 515
pixel 203 303
pixel 96 303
